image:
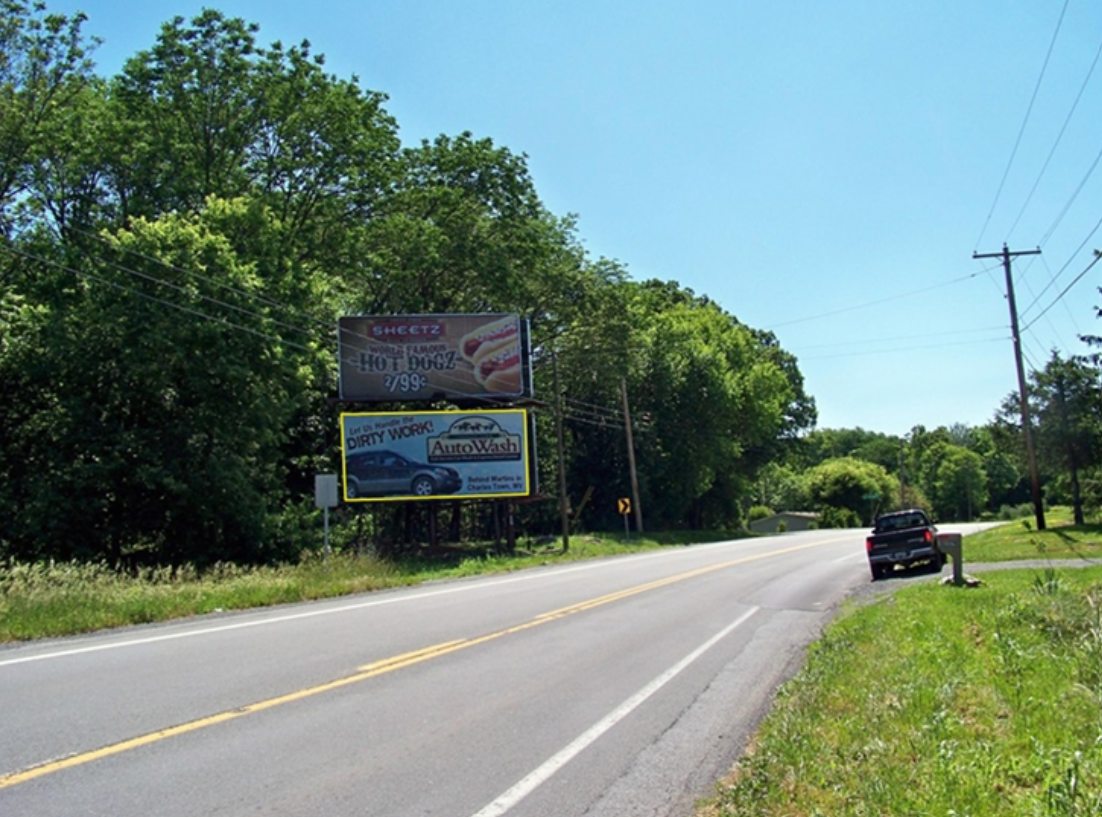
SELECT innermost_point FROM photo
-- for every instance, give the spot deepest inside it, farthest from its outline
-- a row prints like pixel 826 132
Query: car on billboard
pixel 384 473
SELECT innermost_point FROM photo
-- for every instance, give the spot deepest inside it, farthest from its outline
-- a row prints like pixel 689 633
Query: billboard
pixel 433 357
pixel 392 456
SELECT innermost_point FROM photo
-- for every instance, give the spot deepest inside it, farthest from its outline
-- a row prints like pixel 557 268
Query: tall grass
pixel 56 599
pixel 941 701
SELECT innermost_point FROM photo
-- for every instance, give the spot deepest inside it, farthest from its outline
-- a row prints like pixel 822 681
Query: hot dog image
pixel 493 351
pixel 493 333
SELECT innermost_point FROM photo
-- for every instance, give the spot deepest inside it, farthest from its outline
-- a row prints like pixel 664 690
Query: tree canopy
pixel 178 241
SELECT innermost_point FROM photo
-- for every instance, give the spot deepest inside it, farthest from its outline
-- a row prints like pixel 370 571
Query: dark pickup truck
pixel 902 538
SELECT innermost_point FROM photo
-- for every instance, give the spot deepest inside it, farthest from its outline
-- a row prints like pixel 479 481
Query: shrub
pixel 839 518
pixel 759 512
pixel 1010 512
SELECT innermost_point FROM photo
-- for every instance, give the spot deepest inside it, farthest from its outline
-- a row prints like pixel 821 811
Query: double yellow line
pixel 371 670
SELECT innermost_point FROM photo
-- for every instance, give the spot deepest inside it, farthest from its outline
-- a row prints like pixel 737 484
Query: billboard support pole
pixel 510 527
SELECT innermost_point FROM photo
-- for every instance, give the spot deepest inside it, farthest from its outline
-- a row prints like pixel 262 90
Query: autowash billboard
pixel 393 456
pixel 430 357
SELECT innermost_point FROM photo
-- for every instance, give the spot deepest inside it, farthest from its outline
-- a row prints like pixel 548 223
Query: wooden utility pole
pixel 1023 399
pixel 564 500
pixel 902 479
pixel 636 506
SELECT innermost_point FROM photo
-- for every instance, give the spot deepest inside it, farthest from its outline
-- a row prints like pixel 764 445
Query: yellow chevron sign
pixel 623 505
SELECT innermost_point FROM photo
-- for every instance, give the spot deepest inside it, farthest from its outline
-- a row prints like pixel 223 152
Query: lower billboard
pixel 393 456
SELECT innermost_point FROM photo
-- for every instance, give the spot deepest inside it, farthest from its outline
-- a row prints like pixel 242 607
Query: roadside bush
pixel 839 518
pixel 1008 513
pixel 759 512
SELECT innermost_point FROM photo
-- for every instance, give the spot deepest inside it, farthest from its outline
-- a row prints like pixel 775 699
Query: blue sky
pixel 821 170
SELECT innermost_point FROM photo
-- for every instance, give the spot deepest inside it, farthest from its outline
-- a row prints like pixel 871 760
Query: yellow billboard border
pixel 436 498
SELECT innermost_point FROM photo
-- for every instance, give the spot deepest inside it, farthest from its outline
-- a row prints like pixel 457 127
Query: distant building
pixel 786 521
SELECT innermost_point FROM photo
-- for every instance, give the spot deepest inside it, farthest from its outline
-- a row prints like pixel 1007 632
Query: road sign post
pixel 326 497
pixel 623 505
pixel 871 497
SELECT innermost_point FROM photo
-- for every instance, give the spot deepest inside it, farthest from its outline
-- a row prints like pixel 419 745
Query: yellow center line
pixel 373 670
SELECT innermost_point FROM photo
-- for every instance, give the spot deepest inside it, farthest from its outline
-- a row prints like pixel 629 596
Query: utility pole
pixel 1023 400
pixel 564 500
pixel 631 459
pixel 902 479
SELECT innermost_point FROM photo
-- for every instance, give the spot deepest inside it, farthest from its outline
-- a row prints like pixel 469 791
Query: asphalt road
pixel 619 687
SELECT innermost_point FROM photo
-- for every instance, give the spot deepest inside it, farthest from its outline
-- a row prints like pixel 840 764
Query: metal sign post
pixel 871 497
pixel 623 505
pixel 326 496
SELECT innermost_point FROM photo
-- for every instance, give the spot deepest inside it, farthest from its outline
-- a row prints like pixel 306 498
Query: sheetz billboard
pixel 431 357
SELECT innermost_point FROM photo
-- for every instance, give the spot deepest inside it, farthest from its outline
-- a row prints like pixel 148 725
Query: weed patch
pixel 52 599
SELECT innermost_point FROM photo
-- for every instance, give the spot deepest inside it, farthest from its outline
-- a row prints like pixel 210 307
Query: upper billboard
pixel 432 357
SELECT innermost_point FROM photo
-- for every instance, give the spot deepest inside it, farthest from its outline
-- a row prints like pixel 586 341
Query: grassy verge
pixel 49 600
pixel 1020 540
pixel 945 701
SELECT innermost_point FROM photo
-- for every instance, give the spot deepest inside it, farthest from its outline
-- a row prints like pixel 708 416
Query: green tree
pixel 179 240
pixel 780 487
pixel 709 397
pixel 959 483
pixel 1067 397
pixel 158 403
pixel 823 444
pixel 851 484
pixel 44 70
pixel 718 397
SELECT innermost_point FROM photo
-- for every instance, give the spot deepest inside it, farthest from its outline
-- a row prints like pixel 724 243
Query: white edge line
pixel 545 771
pixel 850 558
pixel 241 625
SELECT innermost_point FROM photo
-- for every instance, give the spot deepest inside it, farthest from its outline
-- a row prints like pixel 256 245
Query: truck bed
pixel 903 539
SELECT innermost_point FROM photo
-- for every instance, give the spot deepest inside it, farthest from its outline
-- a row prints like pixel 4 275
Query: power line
pixel 874 303
pixel 923 336
pixel 176 287
pixel 611 425
pixel 1064 291
pixel 214 282
pixel 1071 200
pixel 1025 120
pixel 588 408
pixel 442 377
pixel 146 296
pixel 1052 280
pixel 899 350
pixel 1056 144
pixel 1060 272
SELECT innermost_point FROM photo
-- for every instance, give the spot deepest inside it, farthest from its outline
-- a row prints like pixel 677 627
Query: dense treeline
pixel 177 243
pixel 960 472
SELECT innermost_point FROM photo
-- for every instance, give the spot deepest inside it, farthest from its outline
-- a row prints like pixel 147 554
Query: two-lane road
pixel 613 687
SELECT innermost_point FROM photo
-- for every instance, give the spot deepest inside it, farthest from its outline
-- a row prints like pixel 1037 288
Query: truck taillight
pixel 928 536
pixel 868 544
